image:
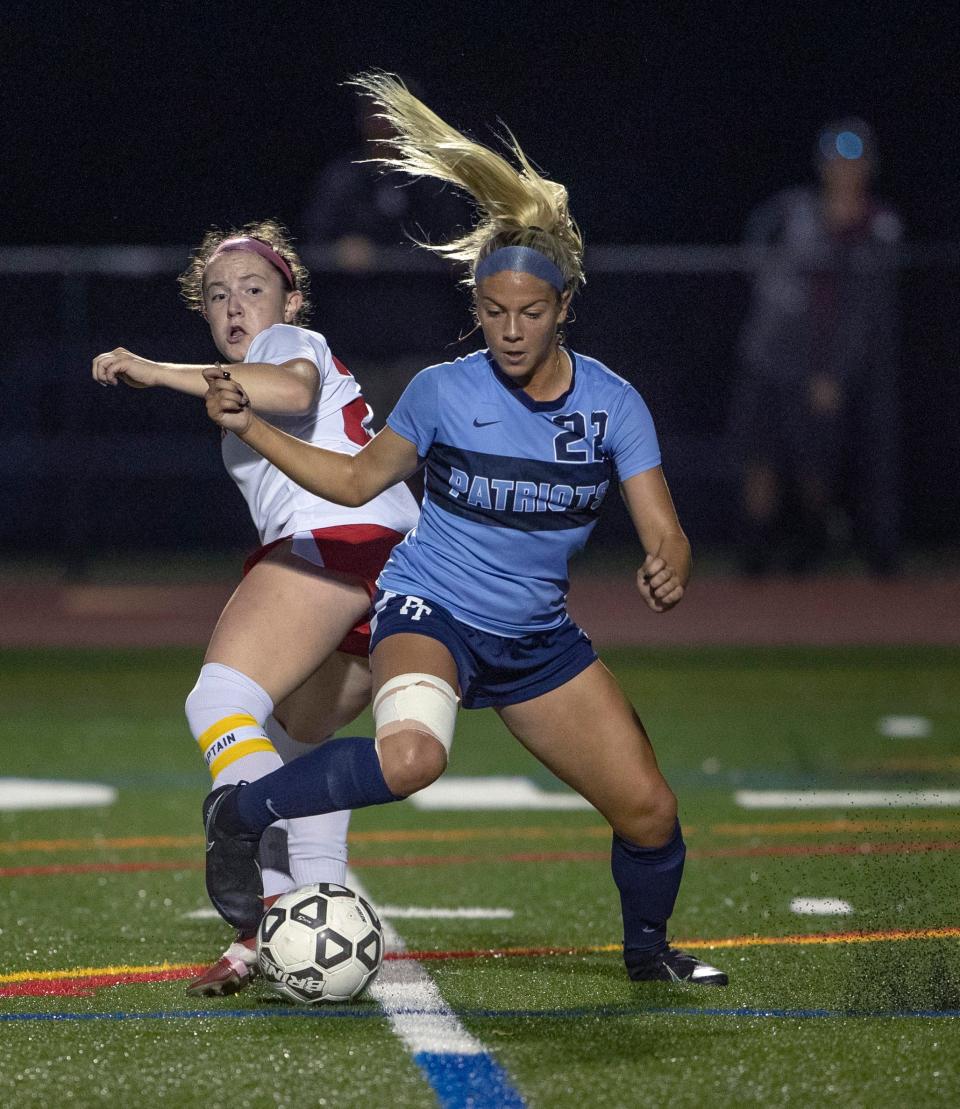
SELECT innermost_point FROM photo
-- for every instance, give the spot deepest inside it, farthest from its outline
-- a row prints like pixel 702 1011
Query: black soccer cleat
pixel 234 885
pixel 673 965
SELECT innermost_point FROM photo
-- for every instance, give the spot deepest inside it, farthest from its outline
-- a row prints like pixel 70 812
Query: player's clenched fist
pixel 119 365
pixel 227 404
pixel 659 583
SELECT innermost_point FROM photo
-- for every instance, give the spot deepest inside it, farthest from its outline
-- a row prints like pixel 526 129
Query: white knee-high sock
pixel 276 882
pixel 316 845
pixel 226 711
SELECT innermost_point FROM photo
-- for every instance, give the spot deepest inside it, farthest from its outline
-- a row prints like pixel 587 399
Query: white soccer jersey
pixel 338 421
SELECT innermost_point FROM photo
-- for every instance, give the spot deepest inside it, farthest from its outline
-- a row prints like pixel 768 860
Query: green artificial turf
pixel 800 1024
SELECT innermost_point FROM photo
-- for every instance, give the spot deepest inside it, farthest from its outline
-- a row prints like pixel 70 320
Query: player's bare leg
pixel 316 846
pixel 282 619
pixel 588 734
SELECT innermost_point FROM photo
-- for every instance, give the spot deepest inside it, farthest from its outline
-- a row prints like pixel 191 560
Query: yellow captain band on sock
pixel 240 750
pixel 227 724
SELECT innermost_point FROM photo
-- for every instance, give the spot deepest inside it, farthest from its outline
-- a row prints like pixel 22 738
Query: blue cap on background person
pixel 850 139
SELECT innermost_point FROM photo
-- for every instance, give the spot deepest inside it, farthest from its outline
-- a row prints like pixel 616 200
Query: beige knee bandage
pixel 419 701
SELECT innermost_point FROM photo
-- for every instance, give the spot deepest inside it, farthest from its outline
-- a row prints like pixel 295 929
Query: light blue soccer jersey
pixel 513 486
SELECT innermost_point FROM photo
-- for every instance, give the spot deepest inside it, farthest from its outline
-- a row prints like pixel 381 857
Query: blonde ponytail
pixel 516 207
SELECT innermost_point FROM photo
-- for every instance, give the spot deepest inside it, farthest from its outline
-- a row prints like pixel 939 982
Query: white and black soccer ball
pixel 319 943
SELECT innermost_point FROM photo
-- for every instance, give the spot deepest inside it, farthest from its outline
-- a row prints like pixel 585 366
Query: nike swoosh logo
pixel 484 423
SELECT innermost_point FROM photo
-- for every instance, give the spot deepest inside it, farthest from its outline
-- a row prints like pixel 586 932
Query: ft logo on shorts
pixel 415 606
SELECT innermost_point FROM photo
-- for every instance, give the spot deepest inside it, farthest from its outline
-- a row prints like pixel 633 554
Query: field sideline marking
pixel 454 835
pixel 186 970
pixel 500 1014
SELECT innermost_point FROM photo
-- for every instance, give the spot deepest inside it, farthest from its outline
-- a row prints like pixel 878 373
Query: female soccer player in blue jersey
pixel 521 442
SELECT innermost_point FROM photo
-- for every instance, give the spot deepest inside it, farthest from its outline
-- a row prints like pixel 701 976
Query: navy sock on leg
pixel 648 879
pixel 340 774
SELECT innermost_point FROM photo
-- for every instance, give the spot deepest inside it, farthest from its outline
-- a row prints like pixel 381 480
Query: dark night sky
pixel 146 123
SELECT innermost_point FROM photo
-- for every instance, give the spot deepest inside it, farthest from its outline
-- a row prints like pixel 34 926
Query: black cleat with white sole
pixel 673 965
pixel 234 884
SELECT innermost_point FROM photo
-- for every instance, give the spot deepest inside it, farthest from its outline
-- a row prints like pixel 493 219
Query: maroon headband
pixel 257 246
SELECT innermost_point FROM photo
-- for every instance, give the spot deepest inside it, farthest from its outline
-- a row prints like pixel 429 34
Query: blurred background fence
pixel 87 471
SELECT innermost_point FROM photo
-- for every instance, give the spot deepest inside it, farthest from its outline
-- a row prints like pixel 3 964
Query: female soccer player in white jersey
pixel 521 442
pixel 288 657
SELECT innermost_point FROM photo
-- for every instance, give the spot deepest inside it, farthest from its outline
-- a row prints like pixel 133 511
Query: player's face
pixel 519 314
pixel 242 296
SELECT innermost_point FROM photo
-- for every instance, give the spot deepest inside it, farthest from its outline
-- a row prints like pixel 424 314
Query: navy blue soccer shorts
pixel 492 670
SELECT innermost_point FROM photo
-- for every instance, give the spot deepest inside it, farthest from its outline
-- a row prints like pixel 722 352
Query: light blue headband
pixel 522 259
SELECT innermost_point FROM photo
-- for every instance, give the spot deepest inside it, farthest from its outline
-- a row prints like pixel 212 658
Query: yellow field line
pixel 97 843
pixel 897 936
pixel 817 938
pixel 451 835
pixel 780 941
pixel 89 972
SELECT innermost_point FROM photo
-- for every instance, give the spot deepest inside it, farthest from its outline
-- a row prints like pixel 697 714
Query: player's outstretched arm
pixel 345 479
pixel 288 387
pixel 665 572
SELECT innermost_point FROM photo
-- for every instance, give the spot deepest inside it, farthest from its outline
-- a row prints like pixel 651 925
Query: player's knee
pixel 415 716
pixel 410 761
pixel 650 818
pixel 222 692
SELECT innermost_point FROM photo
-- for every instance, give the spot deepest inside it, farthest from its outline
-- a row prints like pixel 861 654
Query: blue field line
pixel 474 1080
pixel 495 1014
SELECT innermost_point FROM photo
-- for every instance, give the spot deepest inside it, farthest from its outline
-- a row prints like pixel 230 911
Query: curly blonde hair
pixel 516 207
pixel 268 231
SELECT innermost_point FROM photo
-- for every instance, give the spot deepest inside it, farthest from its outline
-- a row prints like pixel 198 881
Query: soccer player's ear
pixel 564 305
pixel 294 303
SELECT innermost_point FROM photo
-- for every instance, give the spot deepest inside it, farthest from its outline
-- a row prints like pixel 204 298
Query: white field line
pixel 414 912
pixel 413 1004
pixel 504 792
pixel 820 906
pixel 905 727
pixel 409 912
pixel 21 794
pixel 847 799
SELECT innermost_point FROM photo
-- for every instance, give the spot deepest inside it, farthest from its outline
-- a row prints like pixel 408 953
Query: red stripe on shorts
pixel 359 550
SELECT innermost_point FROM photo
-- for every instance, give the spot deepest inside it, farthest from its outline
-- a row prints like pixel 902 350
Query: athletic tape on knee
pixel 423 699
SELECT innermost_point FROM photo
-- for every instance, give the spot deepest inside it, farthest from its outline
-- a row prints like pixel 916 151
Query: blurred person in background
pixel 355 212
pixel 355 209
pixel 815 415
pixel 287 662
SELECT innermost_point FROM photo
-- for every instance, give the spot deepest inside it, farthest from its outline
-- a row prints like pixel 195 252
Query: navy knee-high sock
pixel 340 774
pixel 648 879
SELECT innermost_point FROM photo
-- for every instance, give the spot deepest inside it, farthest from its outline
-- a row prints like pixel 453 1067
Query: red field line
pixel 744 829
pixel 779 850
pixel 424 835
pixel 85 980
pixel 86 985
